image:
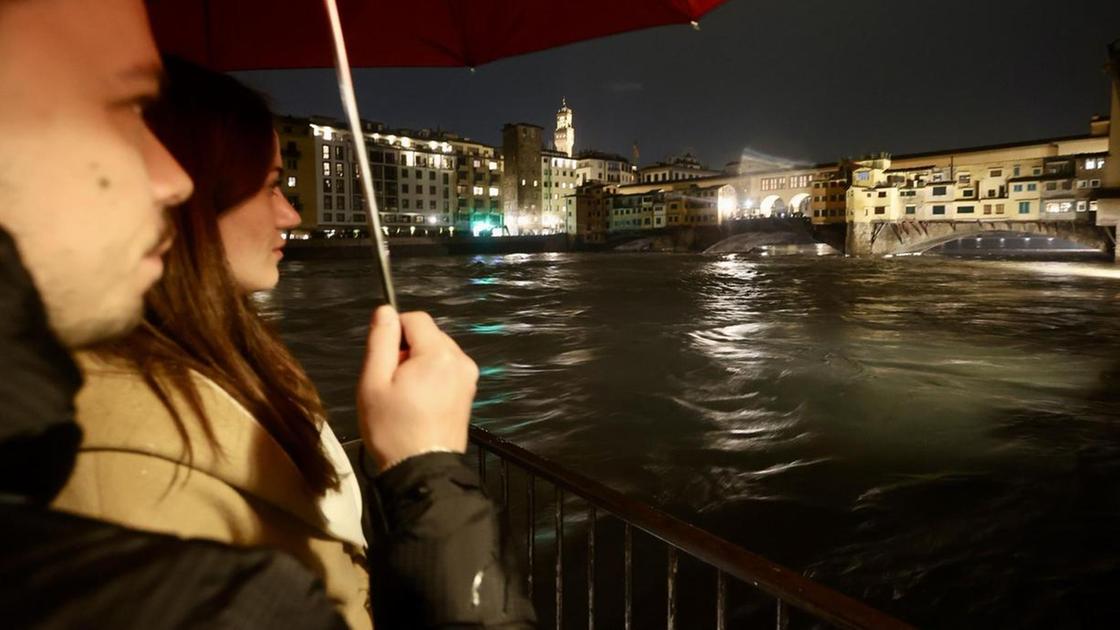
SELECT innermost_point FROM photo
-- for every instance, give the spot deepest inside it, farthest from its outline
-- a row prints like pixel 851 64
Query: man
pixel 83 189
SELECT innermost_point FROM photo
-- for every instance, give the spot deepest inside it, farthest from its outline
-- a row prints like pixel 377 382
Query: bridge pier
pixel 860 240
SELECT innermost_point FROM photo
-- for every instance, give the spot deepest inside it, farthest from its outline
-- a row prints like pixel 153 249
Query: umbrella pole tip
pixel 471 69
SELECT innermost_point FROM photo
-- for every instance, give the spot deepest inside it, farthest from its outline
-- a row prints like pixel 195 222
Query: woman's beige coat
pixel 133 470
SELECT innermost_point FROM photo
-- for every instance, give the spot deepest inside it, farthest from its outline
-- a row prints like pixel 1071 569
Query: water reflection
pixel 917 431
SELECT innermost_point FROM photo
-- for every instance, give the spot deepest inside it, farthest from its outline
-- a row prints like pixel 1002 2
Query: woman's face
pixel 252 231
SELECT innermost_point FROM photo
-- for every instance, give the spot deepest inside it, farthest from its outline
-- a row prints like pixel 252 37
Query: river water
pixel 937 437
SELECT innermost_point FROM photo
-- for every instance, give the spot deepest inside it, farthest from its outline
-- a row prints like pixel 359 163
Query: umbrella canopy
pixel 266 34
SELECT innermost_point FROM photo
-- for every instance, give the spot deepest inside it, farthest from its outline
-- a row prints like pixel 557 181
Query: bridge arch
pixel 799 203
pixel 980 239
pixel 918 237
pixel 727 202
pixel 771 204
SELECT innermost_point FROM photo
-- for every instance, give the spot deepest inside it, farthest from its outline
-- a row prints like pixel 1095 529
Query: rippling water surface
pixel 938 437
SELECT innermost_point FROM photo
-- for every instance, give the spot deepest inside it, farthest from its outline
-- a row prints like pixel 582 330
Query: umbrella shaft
pixel 350 104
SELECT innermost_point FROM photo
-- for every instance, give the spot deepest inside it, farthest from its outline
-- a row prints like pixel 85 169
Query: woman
pixel 200 423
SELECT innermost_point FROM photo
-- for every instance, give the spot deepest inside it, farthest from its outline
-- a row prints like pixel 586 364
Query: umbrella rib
pixel 454 9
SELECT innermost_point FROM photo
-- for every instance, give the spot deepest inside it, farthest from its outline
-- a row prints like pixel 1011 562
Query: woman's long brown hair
pixel 196 317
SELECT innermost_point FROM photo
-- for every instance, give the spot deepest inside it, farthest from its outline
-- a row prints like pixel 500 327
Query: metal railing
pixel 787 587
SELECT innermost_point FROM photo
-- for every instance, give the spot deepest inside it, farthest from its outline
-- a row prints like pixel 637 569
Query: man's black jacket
pixel 435 559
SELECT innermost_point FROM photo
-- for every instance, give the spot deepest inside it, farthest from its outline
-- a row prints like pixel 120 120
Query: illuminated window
pixel 328 185
pixel 291 181
pixel 326 152
pixel 326 169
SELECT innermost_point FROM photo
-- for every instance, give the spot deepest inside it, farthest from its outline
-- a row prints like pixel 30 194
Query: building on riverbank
pixel 425 182
pixel 607 168
pixel 828 203
pixel 297 180
pixel 558 190
pixel 1029 181
pixel 478 186
pixel 990 187
pixel 538 184
pixel 681 168
pixel 521 173
pixel 592 213
pixel 1108 195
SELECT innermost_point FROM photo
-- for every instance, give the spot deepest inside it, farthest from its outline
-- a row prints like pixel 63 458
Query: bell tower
pixel 565 132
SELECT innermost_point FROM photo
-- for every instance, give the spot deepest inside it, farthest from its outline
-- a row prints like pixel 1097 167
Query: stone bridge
pixel 715 238
pixel 913 237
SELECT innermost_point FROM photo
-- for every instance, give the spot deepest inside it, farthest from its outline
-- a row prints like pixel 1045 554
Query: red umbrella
pixel 265 34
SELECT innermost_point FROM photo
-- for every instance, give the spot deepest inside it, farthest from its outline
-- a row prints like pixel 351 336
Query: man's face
pixel 84 185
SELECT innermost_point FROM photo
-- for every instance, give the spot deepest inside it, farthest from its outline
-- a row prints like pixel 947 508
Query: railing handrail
pixel 769 577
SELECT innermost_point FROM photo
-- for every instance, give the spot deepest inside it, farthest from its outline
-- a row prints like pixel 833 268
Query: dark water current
pixel 937 437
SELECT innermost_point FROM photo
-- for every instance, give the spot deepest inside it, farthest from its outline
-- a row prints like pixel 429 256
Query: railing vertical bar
pixel 782 620
pixel 504 472
pixel 531 535
pixel 721 600
pixel 671 590
pixel 627 551
pixel 591 567
pixel 559 558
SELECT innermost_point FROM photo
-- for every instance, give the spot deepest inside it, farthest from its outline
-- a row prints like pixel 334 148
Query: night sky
pixel 807 80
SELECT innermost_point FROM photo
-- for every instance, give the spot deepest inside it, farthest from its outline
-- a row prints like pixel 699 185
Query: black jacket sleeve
pixel 59 571
pixel 437 558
